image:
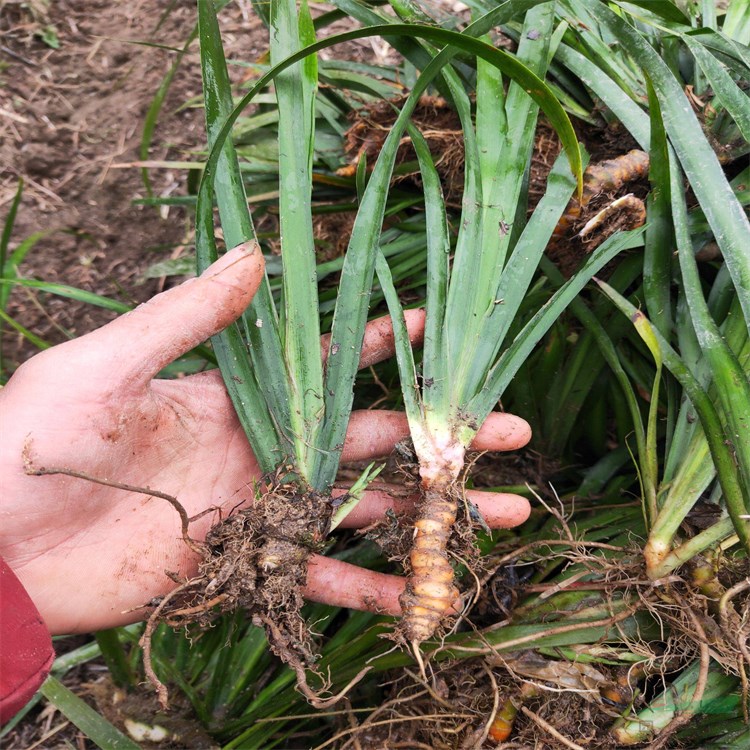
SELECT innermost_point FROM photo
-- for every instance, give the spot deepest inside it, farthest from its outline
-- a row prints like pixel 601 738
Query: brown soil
pixel 69 117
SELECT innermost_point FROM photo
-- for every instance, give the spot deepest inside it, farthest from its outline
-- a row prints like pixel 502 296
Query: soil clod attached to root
pixel 256 560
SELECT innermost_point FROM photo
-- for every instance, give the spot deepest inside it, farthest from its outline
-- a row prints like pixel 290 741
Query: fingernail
pixel 245 250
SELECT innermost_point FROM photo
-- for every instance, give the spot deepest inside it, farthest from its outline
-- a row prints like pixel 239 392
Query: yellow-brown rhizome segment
pixel 430 593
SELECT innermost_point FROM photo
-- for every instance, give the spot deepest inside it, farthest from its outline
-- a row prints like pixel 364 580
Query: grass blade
pixel 71 292
pixel 220 167
pixel 722 455
pixel 404 354
pixel 91 723
pixel 514 356
pixel 732 383
pixel 730 96
pixel 239 377
pixel 295 90
pixel 657 259
pixel 10 220
pixel 434 366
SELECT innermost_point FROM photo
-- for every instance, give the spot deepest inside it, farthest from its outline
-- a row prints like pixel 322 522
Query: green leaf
pixel 482 342
pixel 358 266
pixel 678 698
pixel 503 156
pixel 730 96
pixel 48 34
pixel 260 321
pixel 732 382
pixel 71 292
pixel 152 116
pixel 434 364
pixel 295 91
pixel 712 427
pixel 355 494
pixel 404 355
pixel 659 246
pixel 723 211
pixel 515 355
pixel 38 342
pixel 91 723
pixel 8 224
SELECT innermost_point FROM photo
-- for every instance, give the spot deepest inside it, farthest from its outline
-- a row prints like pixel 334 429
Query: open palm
pixel 88 553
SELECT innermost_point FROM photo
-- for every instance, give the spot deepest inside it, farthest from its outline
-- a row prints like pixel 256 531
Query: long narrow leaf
pixel 729 95
pixel 91 723
pixel 295 89
pixel 722 455
pixel 434 366
pixel 732 382
pixel 657 259
pixel 514 356
pixel 404 355
pixel 239 376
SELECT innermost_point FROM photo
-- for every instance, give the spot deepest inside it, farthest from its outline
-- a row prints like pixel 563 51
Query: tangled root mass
pixel 256 560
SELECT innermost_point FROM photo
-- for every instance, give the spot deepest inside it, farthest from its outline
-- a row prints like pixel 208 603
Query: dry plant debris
pixel 614 186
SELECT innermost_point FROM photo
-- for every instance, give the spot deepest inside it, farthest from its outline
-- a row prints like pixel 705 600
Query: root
pixel 599 213
pixel 607 176
pixel 536 699
pixel 145 642
pixel 284 650
pixel 700 688
pixel 430 591
pixel 547 727
pixel 256 560
pixel 39 471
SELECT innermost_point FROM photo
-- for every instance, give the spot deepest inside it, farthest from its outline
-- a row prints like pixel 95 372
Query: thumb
pixel 139 344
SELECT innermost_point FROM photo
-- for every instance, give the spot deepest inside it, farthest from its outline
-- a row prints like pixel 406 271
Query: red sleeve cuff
pixel 26 652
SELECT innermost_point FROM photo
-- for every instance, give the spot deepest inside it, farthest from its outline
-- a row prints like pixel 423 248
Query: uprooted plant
pixel 294 409
pixel 471 302
pixel 471 305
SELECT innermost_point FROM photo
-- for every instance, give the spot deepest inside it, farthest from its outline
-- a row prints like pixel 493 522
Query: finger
pixel 500 510
pixel 340 584
pixel 378 343
pixel 133 348
pixel 373 434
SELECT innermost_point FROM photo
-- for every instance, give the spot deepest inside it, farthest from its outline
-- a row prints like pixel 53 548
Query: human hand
pixel 88 553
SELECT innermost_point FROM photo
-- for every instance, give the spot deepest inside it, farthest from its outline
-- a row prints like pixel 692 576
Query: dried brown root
pixel 622 214
pixel 145 643
pixel 285 649
pixel 440 126
pixel 256 560
pixel 32 469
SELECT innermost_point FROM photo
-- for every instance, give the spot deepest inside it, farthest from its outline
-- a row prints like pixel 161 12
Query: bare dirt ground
pixel 68 116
